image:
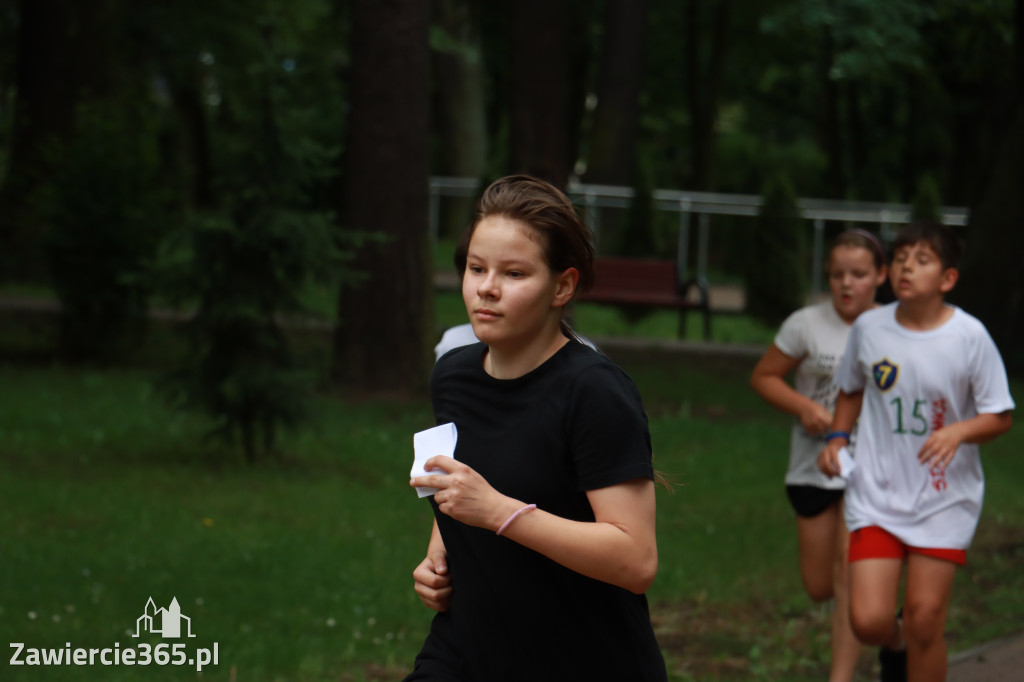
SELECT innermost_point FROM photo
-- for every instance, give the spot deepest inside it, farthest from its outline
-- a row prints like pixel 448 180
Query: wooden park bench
pixel 648 283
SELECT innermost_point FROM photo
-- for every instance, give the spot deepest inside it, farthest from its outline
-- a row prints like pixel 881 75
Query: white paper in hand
pixel 846 463
pixel 439 440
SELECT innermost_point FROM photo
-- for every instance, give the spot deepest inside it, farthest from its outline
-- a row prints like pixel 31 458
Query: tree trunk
pixel 612 156
pixel 857 134
pixel 195 146
pixel 703 89
pixel 911 166
pixel 43 111
pixel 831 124
pixel 67 53
pixel 704 86
pixel 384 318
pixel 992 283
pixel 539 68
pixel 460 114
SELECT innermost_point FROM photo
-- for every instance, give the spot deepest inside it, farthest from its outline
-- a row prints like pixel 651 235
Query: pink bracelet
pixel 513 517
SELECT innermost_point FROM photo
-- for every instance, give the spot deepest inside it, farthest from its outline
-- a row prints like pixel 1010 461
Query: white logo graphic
pixel 166 622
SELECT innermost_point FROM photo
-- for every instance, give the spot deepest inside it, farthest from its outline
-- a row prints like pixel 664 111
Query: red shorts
pixel 873 542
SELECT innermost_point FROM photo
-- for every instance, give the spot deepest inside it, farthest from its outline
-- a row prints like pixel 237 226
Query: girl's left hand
pixel 940 448
pixel 828 458
pixel 465 495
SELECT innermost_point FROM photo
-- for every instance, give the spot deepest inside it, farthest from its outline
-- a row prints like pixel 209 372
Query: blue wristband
pixel 838 434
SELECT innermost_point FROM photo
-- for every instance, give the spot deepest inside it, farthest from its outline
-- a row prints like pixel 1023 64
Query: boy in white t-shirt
pixel 928 385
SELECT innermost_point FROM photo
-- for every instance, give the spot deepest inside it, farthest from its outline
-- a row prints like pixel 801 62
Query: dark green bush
pixel 245 268
pixel 927 201
pixel 247 261
pixel 775 264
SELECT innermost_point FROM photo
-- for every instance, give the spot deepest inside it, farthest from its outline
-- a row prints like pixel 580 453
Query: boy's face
pixel 917 273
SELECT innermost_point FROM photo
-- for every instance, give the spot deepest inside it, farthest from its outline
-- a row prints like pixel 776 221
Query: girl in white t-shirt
pixel 810 344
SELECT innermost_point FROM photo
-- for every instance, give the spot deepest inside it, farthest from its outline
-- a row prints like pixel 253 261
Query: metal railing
pixel 705 204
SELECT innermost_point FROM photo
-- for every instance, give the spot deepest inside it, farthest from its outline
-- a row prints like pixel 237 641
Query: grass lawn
pixel 299 568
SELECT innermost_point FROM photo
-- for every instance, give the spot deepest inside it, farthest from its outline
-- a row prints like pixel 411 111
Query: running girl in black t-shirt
pixel 544 536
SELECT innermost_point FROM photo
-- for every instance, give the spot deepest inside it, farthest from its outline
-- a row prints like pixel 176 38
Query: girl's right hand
pixel 432 582
pixel 816 419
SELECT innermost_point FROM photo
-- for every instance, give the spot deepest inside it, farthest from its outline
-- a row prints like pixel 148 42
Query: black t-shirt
pixel 575 423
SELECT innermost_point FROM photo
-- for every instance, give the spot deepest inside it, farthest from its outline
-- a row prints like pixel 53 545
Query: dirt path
pixel 999 661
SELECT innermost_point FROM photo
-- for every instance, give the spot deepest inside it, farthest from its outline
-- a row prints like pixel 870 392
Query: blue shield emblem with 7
pixel 885 374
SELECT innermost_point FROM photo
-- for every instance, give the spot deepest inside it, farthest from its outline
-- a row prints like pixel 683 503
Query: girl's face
pixel 510 292
pixel 853 279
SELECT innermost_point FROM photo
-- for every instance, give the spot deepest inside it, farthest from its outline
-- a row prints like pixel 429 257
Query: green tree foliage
pixel 105 212
pixel 857 62
pixel 872 38
pixel 890 90
pixel 249 258
pixel 964 99
pixel 775 284
pixel 245 265
pixel 853 98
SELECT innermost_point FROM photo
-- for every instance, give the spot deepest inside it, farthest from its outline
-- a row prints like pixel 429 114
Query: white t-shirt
pixel 914 383
pixel 817 335
pixel 463 335
pixel 454 337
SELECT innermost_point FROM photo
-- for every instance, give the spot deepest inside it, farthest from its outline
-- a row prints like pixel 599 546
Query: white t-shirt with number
pixel 914 383
pixel 817 335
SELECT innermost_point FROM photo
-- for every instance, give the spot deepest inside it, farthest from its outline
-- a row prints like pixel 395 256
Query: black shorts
pixel 808 501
